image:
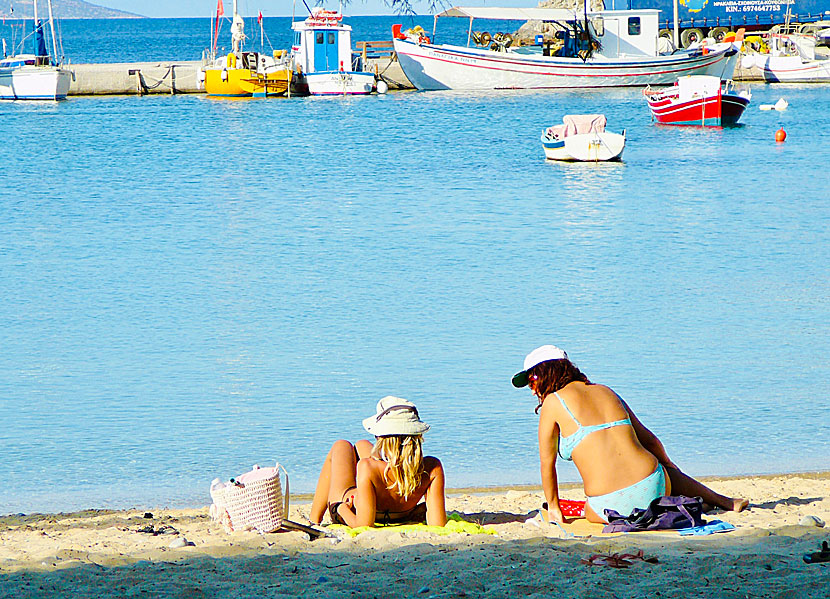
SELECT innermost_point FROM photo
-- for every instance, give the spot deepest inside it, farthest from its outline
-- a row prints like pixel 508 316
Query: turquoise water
pixel 191 285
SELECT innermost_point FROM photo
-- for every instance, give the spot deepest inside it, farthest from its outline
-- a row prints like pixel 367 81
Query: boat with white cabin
pixel 323 58
pixel 590 49
pixel 792 58
pixel 582 138
pixel 37 76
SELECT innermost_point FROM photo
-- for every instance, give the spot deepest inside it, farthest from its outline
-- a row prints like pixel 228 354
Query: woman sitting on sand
pixel 362 485
pixel 622 464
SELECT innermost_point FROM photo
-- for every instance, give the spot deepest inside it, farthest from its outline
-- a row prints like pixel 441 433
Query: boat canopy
pixel 512 14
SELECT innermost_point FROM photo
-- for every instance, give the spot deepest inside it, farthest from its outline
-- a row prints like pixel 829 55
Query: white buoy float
pixel 382 87
pixel 780 105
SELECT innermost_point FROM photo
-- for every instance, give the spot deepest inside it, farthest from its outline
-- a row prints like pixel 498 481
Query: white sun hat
pixel 537 356
pixel 395 416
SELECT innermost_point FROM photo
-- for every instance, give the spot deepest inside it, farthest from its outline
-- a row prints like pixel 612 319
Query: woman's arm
pixel 548 445
pixel 363 512
pixel 436 508
pixel 648 440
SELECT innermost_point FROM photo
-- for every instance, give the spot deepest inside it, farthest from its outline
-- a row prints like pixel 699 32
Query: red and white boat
pixel 609 48
pixel 698 100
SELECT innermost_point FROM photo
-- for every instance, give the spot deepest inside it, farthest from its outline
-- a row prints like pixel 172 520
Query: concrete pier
pixel 137 78
pixel 390 70
pixel 753 74
pixel 182 77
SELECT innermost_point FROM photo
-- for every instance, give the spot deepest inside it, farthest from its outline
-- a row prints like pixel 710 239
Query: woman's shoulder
pixel 579 389
pixel 370 467
pixel 432 464
pixel 433 468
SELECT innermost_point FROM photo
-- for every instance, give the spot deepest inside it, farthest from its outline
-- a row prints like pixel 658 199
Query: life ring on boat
pixel 231 60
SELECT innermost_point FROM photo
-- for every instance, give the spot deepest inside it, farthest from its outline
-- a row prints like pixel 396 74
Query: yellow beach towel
pixel 454 525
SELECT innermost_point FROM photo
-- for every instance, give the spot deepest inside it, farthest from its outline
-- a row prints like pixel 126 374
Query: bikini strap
pixel 564 405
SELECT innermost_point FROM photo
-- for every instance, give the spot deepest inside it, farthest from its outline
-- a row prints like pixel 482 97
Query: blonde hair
pixel 404 459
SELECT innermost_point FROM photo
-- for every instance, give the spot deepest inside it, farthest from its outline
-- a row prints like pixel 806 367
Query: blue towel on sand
pixel 707 529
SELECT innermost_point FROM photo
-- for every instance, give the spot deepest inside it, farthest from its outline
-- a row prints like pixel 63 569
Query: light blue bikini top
pixel 569 443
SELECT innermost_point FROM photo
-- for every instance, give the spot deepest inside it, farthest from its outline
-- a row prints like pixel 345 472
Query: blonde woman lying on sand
pixel 361 485
pixel 622 464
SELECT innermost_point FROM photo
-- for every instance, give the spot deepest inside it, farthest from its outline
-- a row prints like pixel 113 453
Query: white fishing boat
pixel 322 55
pixel 590 49
pixel 36 76
pixel 791 58
pixel 582 138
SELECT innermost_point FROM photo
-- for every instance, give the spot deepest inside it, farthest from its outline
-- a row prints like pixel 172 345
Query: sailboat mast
pixel 676 34
pixel 52 27
pixel 38 33
pixel 237 29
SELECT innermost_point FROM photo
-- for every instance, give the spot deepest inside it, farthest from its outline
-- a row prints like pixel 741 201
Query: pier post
pixel 139 87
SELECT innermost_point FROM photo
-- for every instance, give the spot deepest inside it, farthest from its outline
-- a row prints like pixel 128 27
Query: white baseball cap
pixel 537 356
pixel 395 416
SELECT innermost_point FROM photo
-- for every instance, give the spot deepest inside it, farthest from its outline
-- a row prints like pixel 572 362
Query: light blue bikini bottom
pixel 638 495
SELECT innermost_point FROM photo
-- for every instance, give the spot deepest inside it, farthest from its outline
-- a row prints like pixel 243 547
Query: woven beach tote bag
pixel 253 500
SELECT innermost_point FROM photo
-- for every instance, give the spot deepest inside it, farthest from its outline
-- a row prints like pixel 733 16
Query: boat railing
pixel 374 50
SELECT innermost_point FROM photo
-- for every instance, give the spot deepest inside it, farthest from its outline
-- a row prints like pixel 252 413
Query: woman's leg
pixel 339 473
pixel 363 448
pixel 592 516
pixel 683 484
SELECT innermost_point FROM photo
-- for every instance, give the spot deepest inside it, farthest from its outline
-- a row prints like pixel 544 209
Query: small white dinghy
pixel 582 138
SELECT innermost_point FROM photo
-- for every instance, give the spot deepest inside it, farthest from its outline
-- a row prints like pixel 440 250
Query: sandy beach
pixel 183 553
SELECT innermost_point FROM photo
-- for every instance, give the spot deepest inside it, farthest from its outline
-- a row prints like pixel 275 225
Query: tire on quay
pixel 718 33
pixel 690 36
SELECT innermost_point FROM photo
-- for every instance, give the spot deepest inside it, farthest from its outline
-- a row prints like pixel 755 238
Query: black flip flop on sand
pixel 819 556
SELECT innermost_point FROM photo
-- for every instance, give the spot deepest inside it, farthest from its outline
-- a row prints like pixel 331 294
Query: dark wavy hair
pixel 552 375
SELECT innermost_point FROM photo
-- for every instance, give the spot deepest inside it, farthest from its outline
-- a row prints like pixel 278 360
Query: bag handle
pixel 285 503
pixel 683 509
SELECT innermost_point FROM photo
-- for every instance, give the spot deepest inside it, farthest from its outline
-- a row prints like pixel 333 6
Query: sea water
pixel 191 285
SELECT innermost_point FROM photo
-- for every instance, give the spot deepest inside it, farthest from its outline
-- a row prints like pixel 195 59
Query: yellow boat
pixel 246 74
pixel 242 74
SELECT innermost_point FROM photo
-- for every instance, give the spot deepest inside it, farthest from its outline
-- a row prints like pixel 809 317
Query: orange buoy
pixel 780 135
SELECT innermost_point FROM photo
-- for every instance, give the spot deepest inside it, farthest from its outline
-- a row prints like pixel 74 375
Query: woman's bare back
pixel 387 499
pixel 607 459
